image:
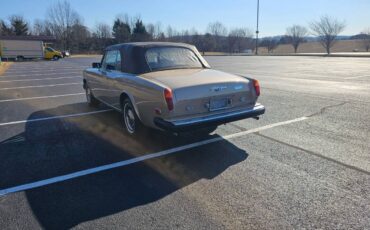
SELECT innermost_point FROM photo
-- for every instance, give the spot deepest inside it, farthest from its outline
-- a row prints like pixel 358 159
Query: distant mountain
pixel 360 36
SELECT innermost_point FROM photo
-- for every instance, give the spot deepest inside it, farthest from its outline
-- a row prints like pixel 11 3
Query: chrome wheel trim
pixel 129 118
pixel 88 95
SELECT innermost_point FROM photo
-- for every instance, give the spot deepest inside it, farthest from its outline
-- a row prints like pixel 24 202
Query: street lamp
pixel 257 31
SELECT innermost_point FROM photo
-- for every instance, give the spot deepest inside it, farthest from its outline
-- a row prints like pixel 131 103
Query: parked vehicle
pixel 27 49
pixel 170 87
pixel 66 53
pixel 19 49
pixel 52 54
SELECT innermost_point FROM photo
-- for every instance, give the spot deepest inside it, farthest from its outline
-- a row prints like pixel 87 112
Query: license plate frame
pixel 218 104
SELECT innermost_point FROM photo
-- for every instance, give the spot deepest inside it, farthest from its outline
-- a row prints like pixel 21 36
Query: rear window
pixel 171 58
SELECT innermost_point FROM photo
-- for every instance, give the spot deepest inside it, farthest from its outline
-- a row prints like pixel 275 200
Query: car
pixel 52 54
pixel 169 87
pixel 66 53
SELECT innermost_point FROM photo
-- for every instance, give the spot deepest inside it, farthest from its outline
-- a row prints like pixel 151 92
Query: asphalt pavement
pixel 304 165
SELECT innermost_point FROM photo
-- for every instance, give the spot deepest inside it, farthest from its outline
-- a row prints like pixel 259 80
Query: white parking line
pixel 41 79
pixel 54 117
pixel 32 98
pixel 138 159
pixel 42 74
pixel 41 68
pixel 40 86
pixel 18 71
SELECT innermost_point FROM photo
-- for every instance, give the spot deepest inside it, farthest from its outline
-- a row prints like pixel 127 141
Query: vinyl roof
pixel 149 44
pixel 133 54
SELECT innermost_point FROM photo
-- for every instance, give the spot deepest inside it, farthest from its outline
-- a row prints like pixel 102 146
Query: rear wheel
pixel 56 58
pixel 91 100
pixel 131 122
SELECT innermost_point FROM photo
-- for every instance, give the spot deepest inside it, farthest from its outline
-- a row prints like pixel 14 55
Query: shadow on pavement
pixel 61 146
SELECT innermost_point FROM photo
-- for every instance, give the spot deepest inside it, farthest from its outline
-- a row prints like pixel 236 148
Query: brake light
pixel 256 85
pixel 168 96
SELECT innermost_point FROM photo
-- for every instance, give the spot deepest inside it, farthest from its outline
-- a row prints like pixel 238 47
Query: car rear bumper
pixel 211 120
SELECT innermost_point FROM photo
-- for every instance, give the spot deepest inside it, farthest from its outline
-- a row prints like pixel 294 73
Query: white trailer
pixel 21 49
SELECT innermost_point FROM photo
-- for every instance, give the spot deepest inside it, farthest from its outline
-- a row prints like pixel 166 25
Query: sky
pixel 275 15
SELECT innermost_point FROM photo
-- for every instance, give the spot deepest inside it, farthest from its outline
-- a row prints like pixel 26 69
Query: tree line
pixel 67 26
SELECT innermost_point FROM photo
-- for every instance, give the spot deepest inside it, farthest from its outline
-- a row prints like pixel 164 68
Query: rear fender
pixel 132 99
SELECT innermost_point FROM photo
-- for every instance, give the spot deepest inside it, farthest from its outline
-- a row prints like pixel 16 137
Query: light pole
pixel 257 31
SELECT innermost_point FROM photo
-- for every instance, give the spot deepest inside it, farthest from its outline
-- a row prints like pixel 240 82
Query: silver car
pixel 170 87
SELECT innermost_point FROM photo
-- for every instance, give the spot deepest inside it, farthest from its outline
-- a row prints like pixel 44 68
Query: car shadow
pixel 66 145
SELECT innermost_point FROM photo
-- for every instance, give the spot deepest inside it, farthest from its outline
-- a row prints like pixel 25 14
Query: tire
pixel 91 100
pixel 131 123
pixel 56 58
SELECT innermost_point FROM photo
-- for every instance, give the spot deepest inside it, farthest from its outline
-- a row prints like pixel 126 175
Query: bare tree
pixel 103 31
pixel 79 37
pixel 327 29
pixel 171 33
pixel 218 30
pixel 239 39
pixel 296 35
pixel 150 28
pixel 270 43
pixel 41 27
pixel 366 39
pixel 102 34
pixel 62 17
pixel 158 31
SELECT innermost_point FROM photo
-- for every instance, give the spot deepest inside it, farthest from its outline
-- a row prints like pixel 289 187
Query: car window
pixel 112 60
pixel 109 62
pixel 171 58
pixel 118 61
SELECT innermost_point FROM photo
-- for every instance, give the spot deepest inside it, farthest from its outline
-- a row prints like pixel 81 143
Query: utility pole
pixel 257 31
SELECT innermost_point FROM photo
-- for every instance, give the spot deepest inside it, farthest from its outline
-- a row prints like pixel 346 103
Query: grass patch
pixel 4 66
pixel 86 56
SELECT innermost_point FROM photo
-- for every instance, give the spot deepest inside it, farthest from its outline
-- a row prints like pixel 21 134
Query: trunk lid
pixel 200 91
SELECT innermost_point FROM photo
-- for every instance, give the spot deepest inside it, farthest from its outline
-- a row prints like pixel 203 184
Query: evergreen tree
pixel 139 33
pixel 121 31
pixel 19 25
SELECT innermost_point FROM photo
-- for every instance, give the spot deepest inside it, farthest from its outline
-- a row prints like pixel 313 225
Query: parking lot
pixel 304 164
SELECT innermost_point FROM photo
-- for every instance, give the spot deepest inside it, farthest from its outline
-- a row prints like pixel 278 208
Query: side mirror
pixel 96 65
pixel 111 67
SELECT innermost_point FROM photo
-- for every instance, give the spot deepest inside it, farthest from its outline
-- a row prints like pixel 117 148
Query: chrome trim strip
pixel 217 116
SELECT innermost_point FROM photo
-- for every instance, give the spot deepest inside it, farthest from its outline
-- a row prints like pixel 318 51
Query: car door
pixel 111 69
pixel 98 81
pixel 117 81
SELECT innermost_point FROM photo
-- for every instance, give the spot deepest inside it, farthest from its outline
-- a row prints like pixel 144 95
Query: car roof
pixel 133 58
pixel 149 45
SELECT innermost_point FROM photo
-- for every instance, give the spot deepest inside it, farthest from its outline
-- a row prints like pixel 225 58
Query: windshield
pixel 171 58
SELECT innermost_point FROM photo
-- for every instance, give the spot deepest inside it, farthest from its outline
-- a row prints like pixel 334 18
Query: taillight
pixel 256 85
pixel 168 96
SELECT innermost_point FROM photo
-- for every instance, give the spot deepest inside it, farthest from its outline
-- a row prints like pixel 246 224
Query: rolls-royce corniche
pixel 169 87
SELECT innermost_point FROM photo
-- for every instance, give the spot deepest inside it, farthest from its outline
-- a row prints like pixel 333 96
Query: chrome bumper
pixel 211 120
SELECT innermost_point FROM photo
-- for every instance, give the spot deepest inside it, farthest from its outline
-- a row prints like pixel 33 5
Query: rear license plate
pixel 217 104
